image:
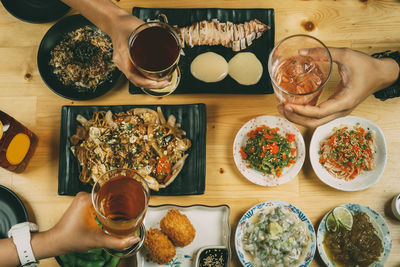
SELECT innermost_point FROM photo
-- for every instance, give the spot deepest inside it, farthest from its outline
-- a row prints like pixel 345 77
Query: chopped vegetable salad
pixel 269 152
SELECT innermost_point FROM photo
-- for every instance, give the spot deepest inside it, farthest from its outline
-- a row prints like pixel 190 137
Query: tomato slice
pixel 163 166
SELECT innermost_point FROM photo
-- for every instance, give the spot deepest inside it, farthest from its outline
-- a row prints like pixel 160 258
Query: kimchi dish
pixel 348 151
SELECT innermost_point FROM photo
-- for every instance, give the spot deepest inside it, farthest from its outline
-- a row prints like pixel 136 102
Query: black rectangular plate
pixel 261 47
pixel 191 179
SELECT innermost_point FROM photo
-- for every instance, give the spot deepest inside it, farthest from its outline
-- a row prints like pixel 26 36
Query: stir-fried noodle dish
pixel 348 152
pixel 140 139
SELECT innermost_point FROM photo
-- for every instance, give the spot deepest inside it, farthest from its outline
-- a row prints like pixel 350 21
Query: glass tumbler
pixel 297 78
pixel 120 198
pixel 155 51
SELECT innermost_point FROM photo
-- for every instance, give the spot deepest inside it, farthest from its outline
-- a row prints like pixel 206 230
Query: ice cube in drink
pixel 302 77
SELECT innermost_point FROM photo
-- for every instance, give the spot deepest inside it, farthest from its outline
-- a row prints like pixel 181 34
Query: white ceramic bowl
pixel 377 221
pixel 284 127
pixel 366 178
pixel 244 259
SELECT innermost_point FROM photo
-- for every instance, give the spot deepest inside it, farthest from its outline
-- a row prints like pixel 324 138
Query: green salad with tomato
pixel 269 152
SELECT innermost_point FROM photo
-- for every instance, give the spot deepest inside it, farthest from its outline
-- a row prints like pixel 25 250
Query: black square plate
pixel 261 47
pixel 190 181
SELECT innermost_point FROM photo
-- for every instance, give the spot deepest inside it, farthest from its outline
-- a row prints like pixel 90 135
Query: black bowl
pixel 12 210
pixel 51 39
pixel 36 11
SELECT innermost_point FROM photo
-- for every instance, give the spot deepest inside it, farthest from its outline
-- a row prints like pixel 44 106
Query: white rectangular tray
pixel 212 229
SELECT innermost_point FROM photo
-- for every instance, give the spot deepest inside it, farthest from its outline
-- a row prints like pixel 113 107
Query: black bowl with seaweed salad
pixel 75 59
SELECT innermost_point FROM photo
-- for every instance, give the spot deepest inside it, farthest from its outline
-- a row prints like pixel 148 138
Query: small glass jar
pixel 396 206
pixel 17 144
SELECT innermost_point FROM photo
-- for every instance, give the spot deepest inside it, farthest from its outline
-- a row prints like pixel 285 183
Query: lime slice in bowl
pixel 330 223
pixel 343 216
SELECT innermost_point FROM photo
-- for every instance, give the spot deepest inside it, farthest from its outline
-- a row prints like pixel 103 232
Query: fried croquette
pixel 178 228
pixel 159 246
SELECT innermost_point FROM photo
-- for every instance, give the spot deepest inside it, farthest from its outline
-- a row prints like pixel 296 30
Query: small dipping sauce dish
pixel 215 256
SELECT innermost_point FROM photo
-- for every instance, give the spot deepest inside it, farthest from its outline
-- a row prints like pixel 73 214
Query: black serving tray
pixel 261 47
pixel 191 179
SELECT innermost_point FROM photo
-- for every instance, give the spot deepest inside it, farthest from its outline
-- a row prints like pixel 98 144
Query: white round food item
pixel 209 67
pixel 245 68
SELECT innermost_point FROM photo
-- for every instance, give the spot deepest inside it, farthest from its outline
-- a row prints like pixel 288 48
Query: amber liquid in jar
pixel 17 144
pixel 122 202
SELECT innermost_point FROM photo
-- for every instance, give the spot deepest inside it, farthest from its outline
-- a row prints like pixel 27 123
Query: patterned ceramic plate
pixel 212 229
pixel 366 178
pixel 380 225
pixel 284 127
pixel 244 259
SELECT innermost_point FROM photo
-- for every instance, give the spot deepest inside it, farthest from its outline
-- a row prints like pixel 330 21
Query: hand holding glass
pixel 295 78
pixel 155 52
pixel 120 198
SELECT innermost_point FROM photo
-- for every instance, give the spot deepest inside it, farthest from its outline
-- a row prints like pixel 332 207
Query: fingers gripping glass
pixel 120 198
pixel 154 50
pixel 298 78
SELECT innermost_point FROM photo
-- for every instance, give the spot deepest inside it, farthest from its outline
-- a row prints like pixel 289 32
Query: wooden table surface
pixel 370 26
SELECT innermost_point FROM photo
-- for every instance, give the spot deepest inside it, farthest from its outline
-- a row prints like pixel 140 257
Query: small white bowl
pixel 366 178
pixel 284 127
pixel 396 206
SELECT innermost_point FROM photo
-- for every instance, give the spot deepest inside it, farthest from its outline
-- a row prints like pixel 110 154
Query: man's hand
pixel 78 231
pixel 121 29
pixel 361 76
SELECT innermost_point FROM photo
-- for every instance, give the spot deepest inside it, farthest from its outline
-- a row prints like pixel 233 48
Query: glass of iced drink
pixel 296 78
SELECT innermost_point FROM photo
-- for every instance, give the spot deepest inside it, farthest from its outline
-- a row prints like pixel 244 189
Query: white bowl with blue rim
pixel 244 257
pixel 377 221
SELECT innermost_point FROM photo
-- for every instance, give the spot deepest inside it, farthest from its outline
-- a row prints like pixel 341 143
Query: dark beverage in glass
pixel 154 50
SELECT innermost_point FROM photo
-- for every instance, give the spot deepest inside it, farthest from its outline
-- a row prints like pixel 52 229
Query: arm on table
pixel 76 231
pixel 119 25
pixel 361 75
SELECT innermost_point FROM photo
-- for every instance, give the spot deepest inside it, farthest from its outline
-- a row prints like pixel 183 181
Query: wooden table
pixel 369 26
